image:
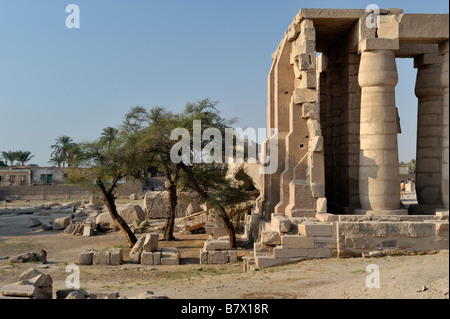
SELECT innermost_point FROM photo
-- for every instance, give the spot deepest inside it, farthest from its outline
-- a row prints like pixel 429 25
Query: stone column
pixel 379 185
pixel 444 50
pixel 429 135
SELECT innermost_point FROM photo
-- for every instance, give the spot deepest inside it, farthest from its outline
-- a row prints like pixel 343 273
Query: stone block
pixel 296 241
pixel 170 252
pixel 167 261
pixel 203 256
pixel 157 258
pixel 219 232
pixel 317 190
pixel 147 258
pixel 359 242
pixel 271 237
pixel 397 229
pixel 115 257
pixel 41 280
pixel 302 95
pixel 87 231
pixel 232 256
pixel 61 223
pixel 260 247
pixel 265 261
pixel 319 253
pixel 310 111
pixel 345 229
pixel 324 217
pixel 217 257
pixel 308 79
pixel 216 244
pixel 311 229
pixel 376 229
pixel 442 214
pixel 280 252
pixel 135 258
pixel 326 242
pixel 280 224
pixel 139 246
pixel 101 258
pixel 321 206
pixel 379 44
pixel 19 290
pixel 151 242
pixel 86 257
pixel 29 273
pixel 421 229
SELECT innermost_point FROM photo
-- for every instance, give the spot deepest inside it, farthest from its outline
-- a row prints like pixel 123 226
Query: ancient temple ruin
pixel 331 95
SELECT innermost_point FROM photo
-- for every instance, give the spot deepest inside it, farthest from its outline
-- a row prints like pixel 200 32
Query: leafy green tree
pixel 209 180
pixel 412 165
pixel 151 131
pixel 108 164
pixel 56 160
pixel 109 134
pixel 9 157
pixel 23 156
pixel 62 148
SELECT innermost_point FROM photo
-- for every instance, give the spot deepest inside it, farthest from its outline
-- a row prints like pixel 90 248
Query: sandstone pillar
pixel 379 185
pixel 429 136
pixel 445 152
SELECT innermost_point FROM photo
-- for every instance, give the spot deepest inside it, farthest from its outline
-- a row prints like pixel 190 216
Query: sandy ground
pixel 401 277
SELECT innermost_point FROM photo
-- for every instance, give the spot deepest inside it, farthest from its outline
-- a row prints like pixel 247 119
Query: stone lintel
pixel 378 44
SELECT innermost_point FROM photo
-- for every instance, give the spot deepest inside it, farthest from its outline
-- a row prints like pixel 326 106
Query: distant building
pixel 404 168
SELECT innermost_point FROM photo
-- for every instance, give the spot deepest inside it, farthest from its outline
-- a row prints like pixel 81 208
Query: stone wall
pixel 325 236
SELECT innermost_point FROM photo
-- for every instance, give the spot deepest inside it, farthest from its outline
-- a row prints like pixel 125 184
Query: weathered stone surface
pixel 147 258
pixel 33 222
pixel 151 242
pixel 29 273
pixel 217 257
pixel 171 252
pixel 41 280
pixel 19 290
pixel 280 252
pixel 131 213
pixel 271 237
pixel 326 242
pixel 232 256
pixel 101 258
pixel 139 246
pixel 265 261
pixel 157 258
pixel 86 257
pixel 87 231
pixel 280 224
pixel 421 229
pixel 295 241
pixel 216 244
pixel 61 223
pixel 135 258
pixel 203 256
pixel 311 229
pixel 115 257
pixel 155 205
pixel 260 247
pixel 105 222
pixel 166 261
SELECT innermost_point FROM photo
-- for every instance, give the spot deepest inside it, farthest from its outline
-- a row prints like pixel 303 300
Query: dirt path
pixel 401 277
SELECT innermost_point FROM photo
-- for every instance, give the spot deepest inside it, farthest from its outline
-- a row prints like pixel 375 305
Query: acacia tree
pixel 151 131
pixel 208 179
pixel 109 163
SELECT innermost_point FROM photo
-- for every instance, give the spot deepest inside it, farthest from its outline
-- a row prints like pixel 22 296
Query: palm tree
pixel 10 157
pixel 56 160
pixel 109 135
pixel 62 148
pixel 23 156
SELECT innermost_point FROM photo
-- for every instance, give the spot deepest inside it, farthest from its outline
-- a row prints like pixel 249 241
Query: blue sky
pixel 57 81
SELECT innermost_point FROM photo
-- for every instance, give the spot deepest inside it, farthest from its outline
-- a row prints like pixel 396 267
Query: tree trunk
pixel 222 213
pixel 173 201
pixel 170 222
pixel 109 199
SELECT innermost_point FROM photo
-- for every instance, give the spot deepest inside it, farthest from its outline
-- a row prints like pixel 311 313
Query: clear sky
pixel 57 81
